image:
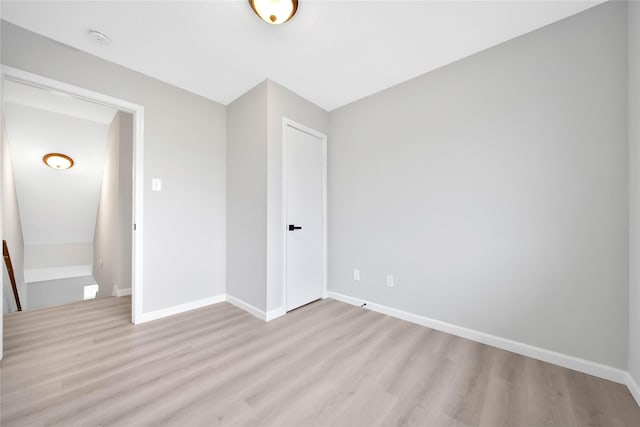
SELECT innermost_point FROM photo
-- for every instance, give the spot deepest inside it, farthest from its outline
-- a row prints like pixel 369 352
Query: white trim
pixel 53 273
pixel 323 138
pixel 633 387
pixel 255 311
pixel 251 309
pixel 123 292
pixel 177 309
pixel 42 82
pixel 137 240
pixel 571 362
pixel 274 314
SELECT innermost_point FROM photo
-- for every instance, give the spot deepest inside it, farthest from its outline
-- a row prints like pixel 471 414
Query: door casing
pixel 35 80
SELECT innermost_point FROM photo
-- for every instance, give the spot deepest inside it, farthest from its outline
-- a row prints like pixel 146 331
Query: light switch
pixel 356 274
pixel 156 184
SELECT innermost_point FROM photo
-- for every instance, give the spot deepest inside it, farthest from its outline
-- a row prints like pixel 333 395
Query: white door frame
pixel 288 122
pixel 34 80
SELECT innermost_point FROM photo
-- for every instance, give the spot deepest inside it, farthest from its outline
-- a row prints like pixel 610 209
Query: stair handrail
pixel 12 277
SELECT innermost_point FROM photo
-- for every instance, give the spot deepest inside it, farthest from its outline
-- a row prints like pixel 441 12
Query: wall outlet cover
pixel 390 281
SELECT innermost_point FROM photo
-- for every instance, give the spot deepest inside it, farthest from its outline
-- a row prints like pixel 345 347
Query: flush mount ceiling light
pixel 274 12
pixel 99 37
pixel 58 161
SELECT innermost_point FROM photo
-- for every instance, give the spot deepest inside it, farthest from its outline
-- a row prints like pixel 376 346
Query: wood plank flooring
pixel 326 364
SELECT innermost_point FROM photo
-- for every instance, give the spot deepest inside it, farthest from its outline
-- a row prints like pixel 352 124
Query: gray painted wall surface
pixel 282 103
pixel 12 230
pixel 112 238
pixel 58 255
pixel 125 199
pixel 55 292
pixel 495 191
pixel 634 189
pixel 185 144
pixel 247 197
pixel 254 192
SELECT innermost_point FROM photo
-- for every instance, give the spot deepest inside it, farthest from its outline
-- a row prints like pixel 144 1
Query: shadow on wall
pixel 60 291
pixel 112 238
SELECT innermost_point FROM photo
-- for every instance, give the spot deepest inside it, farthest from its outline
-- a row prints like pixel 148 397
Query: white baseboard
pixel 634 388
pixel 255 311
pixel 123 292
pixel 177 309
pixel 170 311
pixel 571 362
pixel 274 314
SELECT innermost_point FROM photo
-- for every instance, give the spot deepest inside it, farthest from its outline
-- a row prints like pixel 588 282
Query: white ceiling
pixel 331 52
pixel 55 206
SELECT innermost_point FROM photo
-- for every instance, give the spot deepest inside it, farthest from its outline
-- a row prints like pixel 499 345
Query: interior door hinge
pixel 134 227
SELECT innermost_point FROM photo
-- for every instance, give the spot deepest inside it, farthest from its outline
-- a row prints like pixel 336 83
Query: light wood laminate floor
pixel 325 364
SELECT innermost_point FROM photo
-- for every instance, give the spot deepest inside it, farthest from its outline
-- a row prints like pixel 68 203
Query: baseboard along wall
pixel 170 311
pixel 123 292
pixel 634 387
pixel 564 360
pixel 177 309
pixel 260 314
pixel 571 362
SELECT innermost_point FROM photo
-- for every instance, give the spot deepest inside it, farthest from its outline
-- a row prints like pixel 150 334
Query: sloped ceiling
pixel 56 206
pixel 331 52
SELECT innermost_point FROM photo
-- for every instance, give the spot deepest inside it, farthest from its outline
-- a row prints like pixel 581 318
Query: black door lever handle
pixel 293 227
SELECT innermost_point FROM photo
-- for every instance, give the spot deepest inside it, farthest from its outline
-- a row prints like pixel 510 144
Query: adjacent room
pixel 66 214
pixel 327 213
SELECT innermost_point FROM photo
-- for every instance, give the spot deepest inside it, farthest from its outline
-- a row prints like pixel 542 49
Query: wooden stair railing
pixel 12 277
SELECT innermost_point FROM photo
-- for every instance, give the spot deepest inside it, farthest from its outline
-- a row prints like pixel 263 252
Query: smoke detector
pixel 99 37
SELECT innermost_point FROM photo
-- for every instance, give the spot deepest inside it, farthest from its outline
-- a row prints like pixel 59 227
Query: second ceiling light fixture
pixel 274 12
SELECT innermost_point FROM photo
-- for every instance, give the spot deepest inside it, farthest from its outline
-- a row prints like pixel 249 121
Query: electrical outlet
pixel 390 281
pixel 356 274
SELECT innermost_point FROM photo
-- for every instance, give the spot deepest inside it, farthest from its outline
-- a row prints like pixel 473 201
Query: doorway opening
pixel 82 227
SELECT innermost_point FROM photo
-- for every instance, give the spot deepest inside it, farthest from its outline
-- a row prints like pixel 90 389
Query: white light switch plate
pixel 156 184
pixel 356 274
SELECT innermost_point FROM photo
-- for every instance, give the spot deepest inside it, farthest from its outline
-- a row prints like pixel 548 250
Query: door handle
pixel 293 227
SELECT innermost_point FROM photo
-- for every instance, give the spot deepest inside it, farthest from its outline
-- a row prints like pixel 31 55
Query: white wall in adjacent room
pixel 58 291
pixel 112 237
pixel 57 255
pixel 12 230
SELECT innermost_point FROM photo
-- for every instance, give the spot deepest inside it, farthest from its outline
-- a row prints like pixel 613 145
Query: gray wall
pixel 12 230
pixel 57 255
pixel 185 143
pixel 254 192
pixel 55 292
pixel 282 103
pixel 247 197
pixel 634 189
pixel 495 190
pixel 125 199
pixel 112 238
